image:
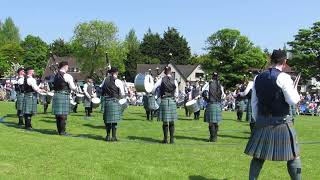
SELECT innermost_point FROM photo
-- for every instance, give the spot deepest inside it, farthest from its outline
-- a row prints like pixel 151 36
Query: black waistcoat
pixel 27 88
pixel 167 87
pixel 109 88
pixel 215 92
pixel 59 84
pixel 19 87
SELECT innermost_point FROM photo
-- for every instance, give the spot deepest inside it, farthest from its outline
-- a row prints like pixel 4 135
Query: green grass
pixel 41 154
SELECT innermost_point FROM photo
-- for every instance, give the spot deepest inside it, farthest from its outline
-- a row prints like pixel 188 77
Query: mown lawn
pixel 41 154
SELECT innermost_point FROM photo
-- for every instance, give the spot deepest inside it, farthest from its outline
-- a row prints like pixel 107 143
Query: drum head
pixel 50 93
pixel 189 103
pixel 73 103
pixel 122 101
pixel 80 95
pixel 95 100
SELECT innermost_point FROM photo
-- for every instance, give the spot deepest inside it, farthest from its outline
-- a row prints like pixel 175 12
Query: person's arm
pixel 85 90
pixel 158 83
pixel 102 83
pixel 120 85
pixel 290 93
pixel 33 83
pixel 69 79
pixel 223 94
pixel 176 93
pixel 247 90
pixel 254 103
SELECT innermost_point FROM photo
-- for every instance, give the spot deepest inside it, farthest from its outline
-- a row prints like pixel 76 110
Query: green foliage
pixel 13 69
pixel 150 47
pixel 10 53
pixel 174 48
pixel 9 33
pixel 306 51
pixel 60 48
pixel 91 40
pixel 232 55
pixel 36 53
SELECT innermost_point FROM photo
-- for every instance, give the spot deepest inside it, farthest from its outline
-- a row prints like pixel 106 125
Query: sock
pixel 255 168
pixel 294 169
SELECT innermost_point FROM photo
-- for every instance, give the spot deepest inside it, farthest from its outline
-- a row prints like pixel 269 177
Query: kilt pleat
pixel 30 103
pixel 112 111
pixel 275 143
pixel 213 112
pixel 61 103
pixel 249 112
pixel 168 110
pixel 19 102
pixel 102 100
pixel 87 102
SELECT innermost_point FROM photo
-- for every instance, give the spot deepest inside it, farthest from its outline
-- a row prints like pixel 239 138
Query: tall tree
pixel 10 53
pixel 150 47
pixel 174 48
pixel 306 51
pixel 232 55
pixel 9 33
pixel 60 48
pixel 36 53
pixel 91 40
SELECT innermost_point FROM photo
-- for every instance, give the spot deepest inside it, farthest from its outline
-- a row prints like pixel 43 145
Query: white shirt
pixel 285 82
pixel 120 85
pixel 247 90
pixel 20 80
pixel 68 79
pixel 158 83
pixel 206 87
pixel 33 83
pixel 85 90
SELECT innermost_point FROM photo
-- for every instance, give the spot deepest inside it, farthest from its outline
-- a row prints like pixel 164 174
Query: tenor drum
pixel 143 83
pixel 192 106
pixel 95 102
pixel 79 98
pixel 123 103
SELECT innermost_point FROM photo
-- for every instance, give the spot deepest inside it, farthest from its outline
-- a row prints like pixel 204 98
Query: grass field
pixel 41 154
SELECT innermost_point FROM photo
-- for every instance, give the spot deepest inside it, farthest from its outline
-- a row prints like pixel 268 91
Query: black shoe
pixel 164 141
pixel 29 128
pixel 114 139
pixel 108 138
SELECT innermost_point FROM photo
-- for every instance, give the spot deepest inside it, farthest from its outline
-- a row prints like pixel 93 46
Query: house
pixel 181 73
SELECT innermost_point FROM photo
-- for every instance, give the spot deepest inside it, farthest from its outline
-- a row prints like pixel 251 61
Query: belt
pixel 263 121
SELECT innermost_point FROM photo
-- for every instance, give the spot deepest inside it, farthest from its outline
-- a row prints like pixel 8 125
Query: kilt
pixel 293 110
pixel 112 111
pixel 213 112
pixel 30 103
pixel 273 142
pixel 151 103
pixel 61 103
pixel 87 102
pixel 168 110
pixel 102 99
pixel 249 112
pixel 19 102
pixel 240 106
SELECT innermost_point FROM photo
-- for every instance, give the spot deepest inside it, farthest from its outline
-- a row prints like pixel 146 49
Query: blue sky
pixel 268 23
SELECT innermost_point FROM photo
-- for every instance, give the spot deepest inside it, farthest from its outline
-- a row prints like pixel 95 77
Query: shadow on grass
pixel 89 136
pixel 191 138
pixel 231 136
pixel 47 121
pixel 197 177
pixel 46 131
pixel 94 126
pixel 130 119
pixel 147 139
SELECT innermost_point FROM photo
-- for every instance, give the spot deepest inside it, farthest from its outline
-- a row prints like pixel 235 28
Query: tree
pixel 150 47
pixel 91 40
pixel 10 53
pixel 306 51
pixel 174 48
pixel 9 33
pixel 60 48
pixel 232 55
pixel 36 53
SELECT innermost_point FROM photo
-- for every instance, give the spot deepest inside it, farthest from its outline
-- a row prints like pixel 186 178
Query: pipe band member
pixel 75 92
pixel 30 97
pixel 89 91
pixel 247 94
pixel 168 107
pixel 45 99
pixel 188 97
pixel 62 85
pixel 19 88
pixel 113 90
pixel 274 137
pixel 196 90
pixel 239 101
pixel 215 94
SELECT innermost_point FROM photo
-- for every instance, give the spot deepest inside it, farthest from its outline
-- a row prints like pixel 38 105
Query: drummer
pixel 240 104
pixel 62 85
pixel 187 97
pixel 113 90
pixel 45 99
pixel 20 94
pixel 168 107
pixel 89 91
pixel 196 90
pixel 74 93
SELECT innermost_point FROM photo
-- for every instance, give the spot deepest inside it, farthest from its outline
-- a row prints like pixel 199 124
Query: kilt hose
pixel 274 142
pixel 30 103
pixel 168 110
pixel 19 102
pixel 213 112
pixel 61 103
pixel 112 111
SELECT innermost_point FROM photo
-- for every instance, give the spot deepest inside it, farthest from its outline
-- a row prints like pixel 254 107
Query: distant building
pixel 181 73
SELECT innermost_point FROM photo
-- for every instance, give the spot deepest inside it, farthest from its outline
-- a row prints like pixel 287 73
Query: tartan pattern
pixel 87 102
pixel 112 111
pixel 168 110
pixel 102 99
pixel 30 103
pixel 293 110
pixel 213 112
pixel 240 105
pixel 61 103
pixel 275 143
pixel 150 103
pixel 19 102
pixel 249 112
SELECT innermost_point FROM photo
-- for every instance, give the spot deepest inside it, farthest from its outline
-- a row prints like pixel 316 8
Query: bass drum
pixel 95 102
pixel 192 106
pixel 143 83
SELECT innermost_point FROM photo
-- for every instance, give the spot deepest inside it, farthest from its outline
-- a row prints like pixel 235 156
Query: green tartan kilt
pixel 102 100
pixel 19 102
pixel 87 102
pixel 30 103
pixel 112 111
pixel 240 106
pixel 274 143
pixel 213 112
pixel 168 110
pixel 249 112
pixel 61 103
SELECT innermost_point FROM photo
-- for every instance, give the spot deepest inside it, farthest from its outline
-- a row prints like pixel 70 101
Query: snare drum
pixel 79 98
pixel 192 106
pixel 95 102
pixel 123 103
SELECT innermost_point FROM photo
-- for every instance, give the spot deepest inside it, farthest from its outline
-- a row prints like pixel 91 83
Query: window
pixel 198 75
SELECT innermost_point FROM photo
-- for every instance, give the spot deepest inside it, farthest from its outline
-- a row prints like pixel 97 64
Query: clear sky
pixel 268 23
